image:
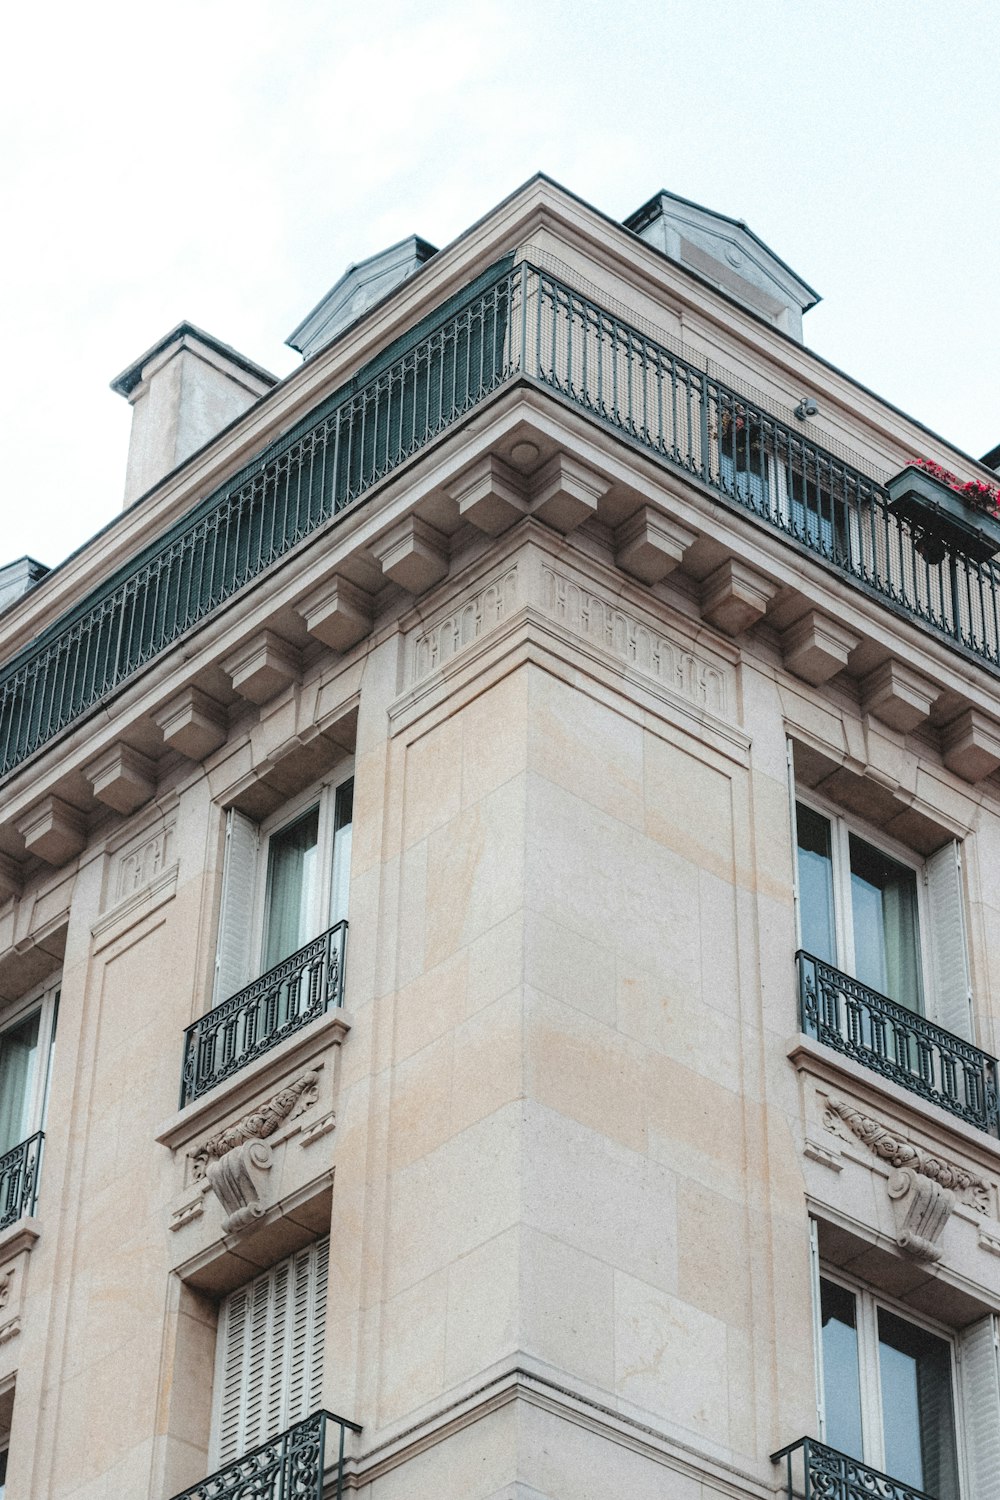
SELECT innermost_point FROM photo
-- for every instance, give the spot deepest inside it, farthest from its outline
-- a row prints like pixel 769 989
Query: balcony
pixel 292 1466
pixel 516 324
pixel 905 1047
pixel 816 1472
pixel 19 1179
pixel 301 988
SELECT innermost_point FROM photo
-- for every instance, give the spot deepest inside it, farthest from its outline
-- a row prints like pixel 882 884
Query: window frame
pixel 869 1300
pixel 842 826
pixel 324 794
pixel 42 1000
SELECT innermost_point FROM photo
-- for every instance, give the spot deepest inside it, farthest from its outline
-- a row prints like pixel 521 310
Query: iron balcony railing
pixel 298 990
pixel 898 1043
pixel 19 1170
pixel 292 1466
pixel 815 1472
pixel 515 323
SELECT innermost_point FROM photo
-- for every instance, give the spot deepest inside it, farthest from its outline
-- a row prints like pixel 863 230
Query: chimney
pixel 183 391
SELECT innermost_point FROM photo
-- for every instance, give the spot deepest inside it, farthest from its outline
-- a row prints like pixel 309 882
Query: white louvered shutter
pixel 950 998
pixel 239 877
pixel 269 1358
pixel 979 1376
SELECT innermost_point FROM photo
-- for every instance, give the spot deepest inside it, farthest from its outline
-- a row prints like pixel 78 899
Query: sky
pixel 224 162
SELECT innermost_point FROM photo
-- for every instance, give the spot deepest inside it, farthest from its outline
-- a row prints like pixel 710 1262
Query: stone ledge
pixel 810 1056
pixel 252 1083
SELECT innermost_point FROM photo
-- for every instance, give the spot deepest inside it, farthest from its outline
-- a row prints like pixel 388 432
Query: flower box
pixel 941 519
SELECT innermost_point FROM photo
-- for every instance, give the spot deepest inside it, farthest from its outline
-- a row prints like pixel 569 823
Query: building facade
pixel 499 892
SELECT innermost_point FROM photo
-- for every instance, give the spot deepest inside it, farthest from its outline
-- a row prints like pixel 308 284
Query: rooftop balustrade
pixel 304 986
pixel 898 1043
pixel 516 323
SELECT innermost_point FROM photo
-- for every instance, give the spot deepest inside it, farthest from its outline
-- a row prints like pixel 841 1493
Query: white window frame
pixel 324 795
pixel 869 1300
pixel 842 825
pixel 43 1000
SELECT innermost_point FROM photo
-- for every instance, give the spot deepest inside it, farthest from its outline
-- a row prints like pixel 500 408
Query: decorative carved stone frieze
pixel 483 611
pixel 139 864
pixel 891 1148
pixel 627 636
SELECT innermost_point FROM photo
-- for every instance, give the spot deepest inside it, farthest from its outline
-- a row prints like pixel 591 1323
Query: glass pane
pixel 18 1064
pixel 815 884
pixel 342 852
pixel 918 1417
pixel 886 935
pixel 291 888
pixel 841 1381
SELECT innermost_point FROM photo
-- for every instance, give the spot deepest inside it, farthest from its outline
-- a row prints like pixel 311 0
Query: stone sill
pixel 21 1235
pixel 262 1077
pixel 810 1056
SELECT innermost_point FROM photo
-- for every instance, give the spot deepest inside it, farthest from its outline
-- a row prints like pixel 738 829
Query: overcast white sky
pixel 224 162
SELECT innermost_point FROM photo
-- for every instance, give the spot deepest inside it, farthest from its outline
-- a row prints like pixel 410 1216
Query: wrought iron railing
pixel 815 1472
pixel 292 1466
pixel 19 1170
pixel 303 986
pixel 515 323
pixel 898 1043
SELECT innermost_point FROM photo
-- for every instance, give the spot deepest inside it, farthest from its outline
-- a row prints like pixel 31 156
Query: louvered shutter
pixel 269 1358
pixel 950 997
pixel 239 876
pixel 979 1376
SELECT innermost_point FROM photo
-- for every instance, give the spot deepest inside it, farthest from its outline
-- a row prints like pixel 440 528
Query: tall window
pixel 26 1045
pixel 269 1354
pixel 885 918
pixel 873 930
pixel 888 1390
pixel 284 882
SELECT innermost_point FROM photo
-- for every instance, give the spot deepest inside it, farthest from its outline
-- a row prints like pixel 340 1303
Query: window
pixel 269 1354
pixel 888 1390
pixel 919 1403
pixel 883 918
pixel 26 1045
pixel 284 882
pixel 788 482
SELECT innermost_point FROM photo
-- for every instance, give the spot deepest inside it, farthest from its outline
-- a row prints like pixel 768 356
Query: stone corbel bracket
pixel 237 1180
pixel 235 1161
pixel 923 1188
pixel 922 1208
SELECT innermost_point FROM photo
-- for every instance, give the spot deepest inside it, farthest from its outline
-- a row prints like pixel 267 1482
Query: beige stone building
pixel 499 893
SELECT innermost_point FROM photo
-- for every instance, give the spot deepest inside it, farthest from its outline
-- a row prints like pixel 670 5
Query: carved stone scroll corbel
pixel 922 1208
pixel 238 1180
pixel 259 1123
pixel 890 1147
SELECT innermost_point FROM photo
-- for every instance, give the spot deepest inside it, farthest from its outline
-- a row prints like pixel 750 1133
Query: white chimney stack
pixel 183 391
